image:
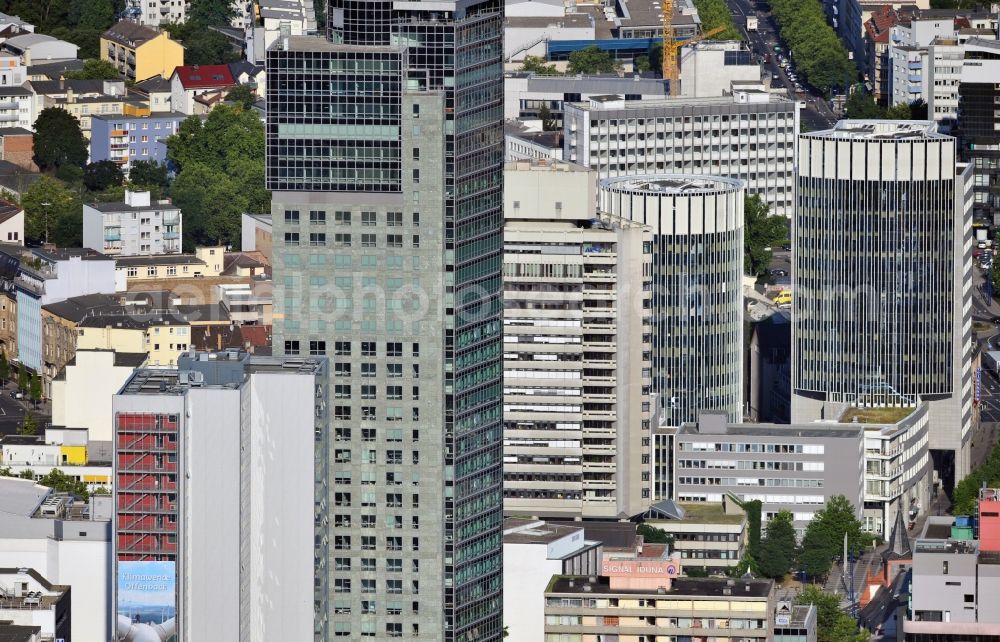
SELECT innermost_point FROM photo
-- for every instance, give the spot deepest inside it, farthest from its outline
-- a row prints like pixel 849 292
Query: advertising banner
pixel 147 602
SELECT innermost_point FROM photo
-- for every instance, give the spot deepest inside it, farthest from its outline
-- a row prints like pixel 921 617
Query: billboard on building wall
pixel 146 602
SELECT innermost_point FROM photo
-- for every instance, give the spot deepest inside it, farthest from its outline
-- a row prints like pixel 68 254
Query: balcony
pixel 108 238
pixel 8 104
pixel 170 221
pixel 9 117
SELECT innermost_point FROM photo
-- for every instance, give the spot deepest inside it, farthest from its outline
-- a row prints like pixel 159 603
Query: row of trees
pixel 822 542
pixel 716 13
pixel 589 60
pixel 966 494
pixel 861 105
pixel 819 55
pixel 761 231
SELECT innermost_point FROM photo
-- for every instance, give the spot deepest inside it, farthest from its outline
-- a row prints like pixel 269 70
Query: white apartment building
pixel 64 541
pixel 16 97
pixel 137 227
pixel 576 349
pixel 81 394
pixel 156 12
pixel 216 467
pixel 750 135
pixel 925 63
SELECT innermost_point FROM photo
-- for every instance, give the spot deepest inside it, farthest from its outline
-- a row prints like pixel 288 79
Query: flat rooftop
pixel 708 513
pixel 678 184
pixel 517 530
pixel 316 43
pixel 543 165
pixel 708 587
pixel 226 369
pixel 835 431
pixel 607 103
pixel 878 130
pixel 124 207
pixel 889 415
pixel 157 259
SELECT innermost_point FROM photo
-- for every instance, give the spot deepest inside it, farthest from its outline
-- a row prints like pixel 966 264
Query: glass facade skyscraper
pixel 385 152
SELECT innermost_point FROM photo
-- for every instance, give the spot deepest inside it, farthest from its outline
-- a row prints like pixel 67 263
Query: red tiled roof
pixel 880 24
pixel 204 76
pixel 258 336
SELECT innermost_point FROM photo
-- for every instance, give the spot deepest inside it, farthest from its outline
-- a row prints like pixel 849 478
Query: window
pixel 368 392
pixel 368 240
pixel 367 348
pixel 416 175
pixel 151 270
pixel 318 217
pixel 394 219
pixel 368 434
pixel 291 238
pixel 171 270
pixel 291 216
pixel 342 348
pixel 394 240
pixel 319 238
pixel 292 348
pixel 368 542
pixel 132 271
pixel 339 369
pixel 368 219
pixel 394 393
pixel 317 348
pixel 341 218
pixel 342 412
pixel 393 349
pixel 367 586
pixel 368 369
pixel 416 240
pixel 394 369
pixel 416 153
pixel 416 111
pixel 416 219
pixel 342 585
pixel 394 587
pixel 368 564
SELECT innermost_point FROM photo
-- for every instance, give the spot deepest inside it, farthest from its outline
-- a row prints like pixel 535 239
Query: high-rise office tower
pixel 979 140
pixel 576 349
pixel 213 468
pixel 384 157
pixel 882 279
pixel 695 226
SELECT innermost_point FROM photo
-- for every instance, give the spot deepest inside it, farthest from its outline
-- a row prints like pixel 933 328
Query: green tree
pixel 778 546
pixel 60 482
pixel 4 367
pixel 819 55
pixel 221 174
pixel 94 69
pixel 29 425
pixel 215 13
pixel 27 474
pixel 898 112
pixel 860 105
pixel 22 377
pixel 592 60
pixel 549 124
pixel 209 47
pixel 537 65
pixel 47 203
pixel 832 624
pixel 149 175
pixel 715 13
pixel 824 537
pixel 96 14
pixel 101 175
pixel 35 391
pixel 918 109
pixel 760 232
pixel 654 535
pixel 966 493
pixel 242 95
pixel 59 140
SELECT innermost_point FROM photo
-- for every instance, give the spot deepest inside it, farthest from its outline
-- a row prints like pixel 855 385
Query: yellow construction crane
pixel 670 47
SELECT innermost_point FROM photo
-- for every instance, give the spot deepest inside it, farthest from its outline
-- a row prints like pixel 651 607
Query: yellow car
pixel 784 298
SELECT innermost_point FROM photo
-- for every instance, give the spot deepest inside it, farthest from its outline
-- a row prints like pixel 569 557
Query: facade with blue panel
pixel 29 329
pixel 126 139
pixel 619 48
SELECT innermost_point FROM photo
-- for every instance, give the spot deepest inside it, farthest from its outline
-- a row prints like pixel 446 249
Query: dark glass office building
pixel 385 153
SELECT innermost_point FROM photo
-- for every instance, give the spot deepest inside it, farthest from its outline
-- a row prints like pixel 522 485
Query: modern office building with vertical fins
pixel 696 241
pixel 882 279
pixel 385 161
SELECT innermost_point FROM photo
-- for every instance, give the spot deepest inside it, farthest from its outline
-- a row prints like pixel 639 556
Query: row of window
pixel 319 239
pixel 344 348
pixel 368 219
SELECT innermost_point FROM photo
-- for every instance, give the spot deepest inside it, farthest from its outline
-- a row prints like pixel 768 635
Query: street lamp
pixel 46 205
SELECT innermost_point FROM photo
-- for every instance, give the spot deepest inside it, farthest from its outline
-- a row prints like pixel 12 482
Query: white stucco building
pixel 137 227
pixel 81 394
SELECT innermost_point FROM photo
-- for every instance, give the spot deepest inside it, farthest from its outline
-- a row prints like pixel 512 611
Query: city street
pixel 12 412
pixel 817 114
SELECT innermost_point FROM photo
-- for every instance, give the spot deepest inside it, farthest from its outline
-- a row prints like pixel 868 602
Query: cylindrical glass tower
pixel 696 241
pixel 874 263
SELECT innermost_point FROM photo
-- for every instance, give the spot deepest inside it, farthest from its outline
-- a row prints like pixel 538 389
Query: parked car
pixel 17 394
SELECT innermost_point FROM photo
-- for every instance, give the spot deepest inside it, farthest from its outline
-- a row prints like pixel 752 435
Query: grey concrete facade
pixel 749 136
pixel 791 467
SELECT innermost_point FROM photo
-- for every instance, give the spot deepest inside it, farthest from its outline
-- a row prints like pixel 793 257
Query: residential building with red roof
pixel 190 81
